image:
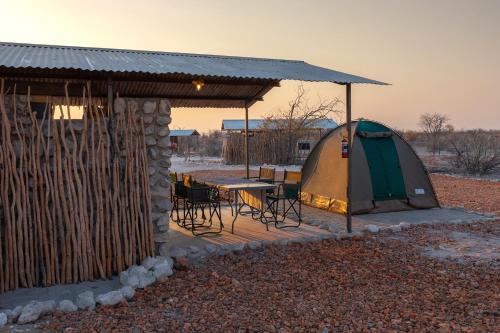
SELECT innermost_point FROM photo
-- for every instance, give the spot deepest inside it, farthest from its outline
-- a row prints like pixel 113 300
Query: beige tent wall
pixel 415 176
pixel 361 193
pixel 327 191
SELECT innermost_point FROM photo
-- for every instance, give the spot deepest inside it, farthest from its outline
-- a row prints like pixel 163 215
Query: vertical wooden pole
pixel 349 144
pixel 247 160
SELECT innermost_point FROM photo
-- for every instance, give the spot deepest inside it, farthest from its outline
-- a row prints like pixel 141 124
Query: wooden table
pixel 251 193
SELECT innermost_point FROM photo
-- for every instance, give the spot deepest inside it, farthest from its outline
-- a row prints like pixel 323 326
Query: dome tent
pixel 386 173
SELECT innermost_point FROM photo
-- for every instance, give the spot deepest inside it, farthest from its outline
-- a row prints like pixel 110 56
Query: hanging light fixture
pixel 198 84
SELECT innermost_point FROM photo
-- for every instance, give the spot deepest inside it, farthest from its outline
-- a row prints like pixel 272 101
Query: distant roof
pixel 188 132
pixel 229 81
pixel 255 124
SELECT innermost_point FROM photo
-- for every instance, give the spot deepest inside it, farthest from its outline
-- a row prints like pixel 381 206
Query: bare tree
pixel 476 151
pixel 434 125
pixel 299 117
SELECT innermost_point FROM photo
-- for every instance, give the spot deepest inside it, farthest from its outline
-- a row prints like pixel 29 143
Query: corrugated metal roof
pixel 33 56
pixel 188 132
pixel 255 124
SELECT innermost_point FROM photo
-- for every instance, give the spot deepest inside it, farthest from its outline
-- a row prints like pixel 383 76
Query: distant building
pixel 266 144
pixel 184 142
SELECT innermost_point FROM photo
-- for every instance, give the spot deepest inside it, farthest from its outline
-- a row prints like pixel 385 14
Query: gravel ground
pixel 376 283
pixel 472 194
pixel 380 283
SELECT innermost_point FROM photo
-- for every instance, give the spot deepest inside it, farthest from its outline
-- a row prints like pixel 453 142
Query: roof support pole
pixel 247 159
pixel 349 144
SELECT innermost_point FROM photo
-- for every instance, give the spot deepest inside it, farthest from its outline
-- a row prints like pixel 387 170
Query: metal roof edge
pixel 183 54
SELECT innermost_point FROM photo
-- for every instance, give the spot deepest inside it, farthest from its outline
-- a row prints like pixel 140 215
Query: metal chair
pixel 200 196
pixel 265 175
pixel 178 195
pixel 288 193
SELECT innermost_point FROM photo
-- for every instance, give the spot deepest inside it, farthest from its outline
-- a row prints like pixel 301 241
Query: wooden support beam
pixel 247 157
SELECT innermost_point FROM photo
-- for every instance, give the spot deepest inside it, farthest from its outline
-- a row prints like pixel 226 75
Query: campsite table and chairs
pixel 260 199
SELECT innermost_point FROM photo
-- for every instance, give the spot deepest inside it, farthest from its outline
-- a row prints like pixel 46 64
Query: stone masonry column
pixel 156 115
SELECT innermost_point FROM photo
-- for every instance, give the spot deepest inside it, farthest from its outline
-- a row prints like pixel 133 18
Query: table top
pixel 236 184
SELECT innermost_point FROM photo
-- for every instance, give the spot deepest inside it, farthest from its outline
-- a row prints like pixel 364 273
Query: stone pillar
pixel 156 115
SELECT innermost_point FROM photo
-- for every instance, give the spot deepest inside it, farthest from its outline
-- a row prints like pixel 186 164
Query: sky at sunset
pixel 439 56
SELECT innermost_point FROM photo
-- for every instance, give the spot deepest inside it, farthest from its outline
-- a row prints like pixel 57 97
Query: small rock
pixel 110 298
pixel 324 226
pixel 176 252
pixel 149 262
pixel 283 242
pixel 194 249
pixel 253 245
pixel 85 300
pixel 395 228
pixel 146 279
pixel 210 248
pixel 404 225
pixel 238 247
pixel 48 306
pixel 136 277
pixel 182 263
pixel 30 313
pixel 13 314
pixel 372 228
pixel 67 306
pixel 128 279
pixel 127 292
pixel 163 271
pixel 3 319
pixel 165 260
pixel 164 131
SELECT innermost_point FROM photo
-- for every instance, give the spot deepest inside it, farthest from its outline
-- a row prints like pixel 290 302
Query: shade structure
pixel 229 82
pixel 386 173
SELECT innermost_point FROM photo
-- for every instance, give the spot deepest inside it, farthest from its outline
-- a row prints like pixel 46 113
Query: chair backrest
pixel 291 190
pixel 187 181
pixel 266 173
pixel 292 177
pixel 173 177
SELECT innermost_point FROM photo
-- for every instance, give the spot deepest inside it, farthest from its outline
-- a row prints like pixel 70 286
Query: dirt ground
pixel 381 283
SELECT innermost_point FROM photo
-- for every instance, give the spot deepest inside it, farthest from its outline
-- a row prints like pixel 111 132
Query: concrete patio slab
pixel 317 224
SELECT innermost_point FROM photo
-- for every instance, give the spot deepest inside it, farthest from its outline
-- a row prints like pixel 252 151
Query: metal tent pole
pixel 247 160
pixel 349 143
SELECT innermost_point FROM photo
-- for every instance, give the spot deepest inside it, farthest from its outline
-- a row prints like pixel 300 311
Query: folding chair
pixel 178 196
pixel 289 194
pixel 200 196
pixel 265 175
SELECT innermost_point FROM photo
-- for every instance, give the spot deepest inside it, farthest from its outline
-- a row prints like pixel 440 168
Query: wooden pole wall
pixel 74 194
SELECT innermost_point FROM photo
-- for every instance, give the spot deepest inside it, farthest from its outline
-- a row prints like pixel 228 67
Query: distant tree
pixel 211 144
pixel 434 125
pixel 301 115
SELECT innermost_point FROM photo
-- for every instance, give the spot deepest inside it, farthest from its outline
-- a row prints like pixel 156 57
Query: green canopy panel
pixel 387 175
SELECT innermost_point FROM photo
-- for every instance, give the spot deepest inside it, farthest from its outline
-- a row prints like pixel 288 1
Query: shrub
pixel 476 151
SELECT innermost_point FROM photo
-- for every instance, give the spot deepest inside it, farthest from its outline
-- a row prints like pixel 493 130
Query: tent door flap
pixel 385 169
